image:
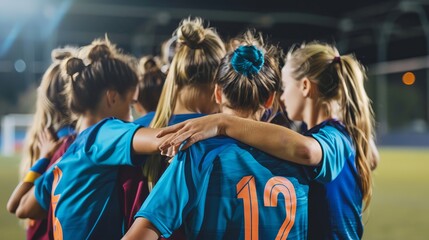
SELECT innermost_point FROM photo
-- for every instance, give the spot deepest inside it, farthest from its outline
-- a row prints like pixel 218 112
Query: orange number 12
pixel 246 190
pixel 58 231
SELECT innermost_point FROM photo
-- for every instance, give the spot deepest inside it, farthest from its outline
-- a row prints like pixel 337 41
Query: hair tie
pixel 337 59
pixel 74 66
pixel 192 46
pixel 247 60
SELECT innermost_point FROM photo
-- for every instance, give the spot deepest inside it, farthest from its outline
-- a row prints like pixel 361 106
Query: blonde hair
pixel 340 80
pixel 194 64
pixel 87 53
pixel 52 111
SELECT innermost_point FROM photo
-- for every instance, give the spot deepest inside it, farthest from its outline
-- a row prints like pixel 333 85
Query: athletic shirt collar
pixel 65 131
pixel 328 122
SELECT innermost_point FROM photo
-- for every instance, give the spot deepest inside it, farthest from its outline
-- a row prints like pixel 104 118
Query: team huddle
pixel 215 152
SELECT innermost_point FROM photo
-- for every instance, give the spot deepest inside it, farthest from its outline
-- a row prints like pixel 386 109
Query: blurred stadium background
pixel 390 37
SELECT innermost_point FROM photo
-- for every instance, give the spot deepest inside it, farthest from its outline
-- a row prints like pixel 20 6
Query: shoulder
pixel 178 118
pixel 108 131
pixel 203 153
pixel 215 144
pixel 330 130
pixel 145 120
pixel 111 123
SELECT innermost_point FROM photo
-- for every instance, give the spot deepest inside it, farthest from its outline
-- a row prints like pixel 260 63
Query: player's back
pixel 247 194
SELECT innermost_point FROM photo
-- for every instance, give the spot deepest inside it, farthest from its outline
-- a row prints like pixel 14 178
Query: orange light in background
pixel 408 78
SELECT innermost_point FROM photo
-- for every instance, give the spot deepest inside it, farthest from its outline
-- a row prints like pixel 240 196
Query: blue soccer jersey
pixel 222 189
pixel 134 188
pixel 82 187
pixel 335 197
pixel 145 120
pixel 176 118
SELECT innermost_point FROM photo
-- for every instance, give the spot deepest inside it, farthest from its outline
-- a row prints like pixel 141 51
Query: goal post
pixel 9 125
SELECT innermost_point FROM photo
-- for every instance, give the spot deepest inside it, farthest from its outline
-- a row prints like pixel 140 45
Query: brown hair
pixel 150 83
pixel 245 90
pixel 105 71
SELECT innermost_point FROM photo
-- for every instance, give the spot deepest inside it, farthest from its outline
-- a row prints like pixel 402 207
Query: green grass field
pixel 399 207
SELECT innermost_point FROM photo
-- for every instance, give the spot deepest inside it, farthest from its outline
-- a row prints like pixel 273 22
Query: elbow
pixel 374 161
pixel 21 213
pixel 374 155
pixel 11 206
pixel 309 154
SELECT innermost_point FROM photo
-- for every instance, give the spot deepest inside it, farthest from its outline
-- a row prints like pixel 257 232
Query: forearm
pixel 142 229
pixel 27 183
pixel 17 195
pixel 276 140
pixel 29 207
pixel 146 142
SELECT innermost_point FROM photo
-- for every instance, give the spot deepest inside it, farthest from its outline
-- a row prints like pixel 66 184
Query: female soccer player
pixel 151 80
pixel 188 88
pixel 52 115
pixel 82 188
pixel 326 91
pixel 223 189
pixel 187 93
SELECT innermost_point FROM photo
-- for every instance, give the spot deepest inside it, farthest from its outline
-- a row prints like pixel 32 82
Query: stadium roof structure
pixel 356 26
pixel 389 36
pixel 141 25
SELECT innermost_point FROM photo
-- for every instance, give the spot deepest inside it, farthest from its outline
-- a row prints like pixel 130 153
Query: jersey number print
pixel 58 231
pixel 246 190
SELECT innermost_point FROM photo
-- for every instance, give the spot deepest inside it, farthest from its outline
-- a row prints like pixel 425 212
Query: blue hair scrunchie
pixel 247 60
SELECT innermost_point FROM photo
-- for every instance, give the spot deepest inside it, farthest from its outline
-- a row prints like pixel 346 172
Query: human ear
pixel 111 97
pixel 306 87
pixel 218 94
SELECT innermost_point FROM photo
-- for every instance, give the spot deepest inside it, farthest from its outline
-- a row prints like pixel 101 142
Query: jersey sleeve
pixel 335 150
pixel 43 189
pixel 178 190
pixel 168 199
pixel 110 143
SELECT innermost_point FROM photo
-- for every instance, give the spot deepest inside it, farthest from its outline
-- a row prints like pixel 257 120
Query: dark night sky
pixel 139 26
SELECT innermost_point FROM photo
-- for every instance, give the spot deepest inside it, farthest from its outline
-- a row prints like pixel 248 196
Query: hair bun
pixel 191 33
pixel 74 65
pixel 150 65
pixel 60 54
pixel 247 60
pixel 98 52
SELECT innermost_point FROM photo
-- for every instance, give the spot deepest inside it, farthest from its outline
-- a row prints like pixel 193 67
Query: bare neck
pixel 88 121
pixel 193 100
pixel 315 113
pixel 243 114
